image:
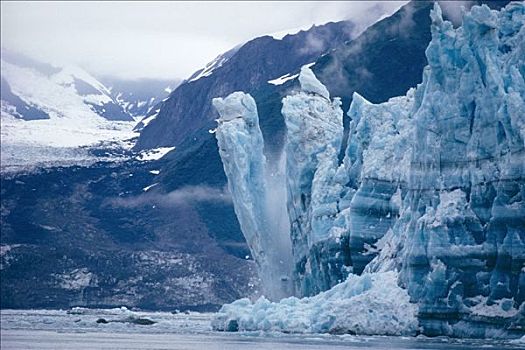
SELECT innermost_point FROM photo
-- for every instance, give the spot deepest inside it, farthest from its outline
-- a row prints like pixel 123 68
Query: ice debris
pixel 366 304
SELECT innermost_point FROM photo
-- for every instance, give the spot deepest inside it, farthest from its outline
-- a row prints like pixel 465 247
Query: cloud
pixel 180 197
pixel 453 10
pixel 160 39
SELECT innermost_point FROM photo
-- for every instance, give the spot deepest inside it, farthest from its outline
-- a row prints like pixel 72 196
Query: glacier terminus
pixel 418 224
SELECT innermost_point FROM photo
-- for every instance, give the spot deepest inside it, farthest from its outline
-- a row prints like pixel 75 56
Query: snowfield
pixel 58 142
pixel 69 99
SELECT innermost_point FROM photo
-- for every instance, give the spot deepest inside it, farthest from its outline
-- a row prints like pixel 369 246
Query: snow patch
pixel 282 79
pixel 291 31
pixel 146 189
pixel 76 279
pixel 154 154
pixel 145 122
pixel 210 67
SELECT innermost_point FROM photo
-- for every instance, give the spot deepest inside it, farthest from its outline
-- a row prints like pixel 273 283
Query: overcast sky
pixel 160 39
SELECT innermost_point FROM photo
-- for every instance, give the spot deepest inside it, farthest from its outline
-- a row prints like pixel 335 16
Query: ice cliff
pixel 430 188
pixel 257 190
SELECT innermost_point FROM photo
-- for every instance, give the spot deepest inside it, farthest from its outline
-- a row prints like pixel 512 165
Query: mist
pixel 180 197
pixel 160 40
pixel 278 227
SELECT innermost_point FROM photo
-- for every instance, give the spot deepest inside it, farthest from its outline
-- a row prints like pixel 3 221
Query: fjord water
pixel 59 329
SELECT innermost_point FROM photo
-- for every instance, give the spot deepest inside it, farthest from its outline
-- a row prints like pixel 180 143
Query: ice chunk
pixel 310 84
pixel 362 304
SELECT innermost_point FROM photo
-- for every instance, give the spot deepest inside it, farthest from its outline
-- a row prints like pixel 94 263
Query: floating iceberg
pixel 430 192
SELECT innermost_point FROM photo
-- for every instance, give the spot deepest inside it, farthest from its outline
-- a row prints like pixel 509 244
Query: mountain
pixel 188 110
pixel 55 89
pixel 426 203
pixel 94 236
pixel 139 96
pixel 52 115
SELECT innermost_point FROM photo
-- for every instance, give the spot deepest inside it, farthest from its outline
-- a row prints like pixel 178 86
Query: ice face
pixel 459 240
pixel 314 134
pixel 256 197
pixel 431 184
pixel 463 227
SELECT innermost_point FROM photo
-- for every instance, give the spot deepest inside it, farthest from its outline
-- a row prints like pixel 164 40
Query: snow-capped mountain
pixel 138 97
pixel 58 91
pixel 49 113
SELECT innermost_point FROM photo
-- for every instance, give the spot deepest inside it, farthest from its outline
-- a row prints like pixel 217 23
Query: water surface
pixel 59 329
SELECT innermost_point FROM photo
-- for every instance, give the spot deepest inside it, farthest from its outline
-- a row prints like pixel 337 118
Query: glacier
pixel 430 189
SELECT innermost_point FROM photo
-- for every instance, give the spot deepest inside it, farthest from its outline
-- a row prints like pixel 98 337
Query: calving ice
pixel 419 221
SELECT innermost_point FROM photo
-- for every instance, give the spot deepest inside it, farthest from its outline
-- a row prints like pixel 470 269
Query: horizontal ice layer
pixel 461 234
pixel 360 305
